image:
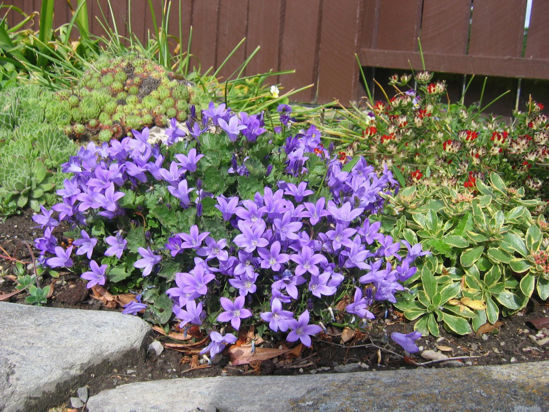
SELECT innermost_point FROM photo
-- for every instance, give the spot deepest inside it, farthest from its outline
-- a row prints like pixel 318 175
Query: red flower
pixel 540 106
pixel 416 175
pixel 471 182
pixel 342 156
pixel 369 131
pixel 471 135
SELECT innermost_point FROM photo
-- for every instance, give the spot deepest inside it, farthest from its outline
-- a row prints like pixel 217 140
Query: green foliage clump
pixel 489 253
pixel 118 95
pixel 33 147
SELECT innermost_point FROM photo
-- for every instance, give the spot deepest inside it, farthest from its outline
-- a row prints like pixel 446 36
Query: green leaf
pixel 161 310
pixel 543 288
pixel 349 166
pixel 168 270
pixel 510 300
pixel 483 188
pixel 464 225
pixel 40 172
pixel 527 284
pixel 208 207
pixel 479 218
pixel 498 183
pixel 432 325
pixel 533 238
pixel 401 180
pixel 476 237
pixel 429 282
pixel 484 201
pixel 449 291
pixel 492 310
pixel 456 324
pixel 412 310
pixel 421 326
pixel 498 256
pixel 22 201
pixel 479 319
pixel 511 241
pixel 118 274
pixel 410 236
pixel 520 265
pixel 419 219
pixel 497 220
pixel 456 241
pixel 515 214
pixel 136 238
pixel 492 276
pixel 439 246
pixel 470 256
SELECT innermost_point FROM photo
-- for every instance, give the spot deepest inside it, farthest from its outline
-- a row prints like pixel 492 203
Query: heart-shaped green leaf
pixel 470 256
pixel 456 241
pixel 498 256
pixel 456 324
pixel 527 284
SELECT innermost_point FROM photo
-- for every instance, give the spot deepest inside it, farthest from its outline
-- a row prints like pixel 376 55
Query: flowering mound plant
pixel 220 228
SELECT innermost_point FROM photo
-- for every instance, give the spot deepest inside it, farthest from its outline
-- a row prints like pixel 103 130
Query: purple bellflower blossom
pixel 117 244
pixel 62 258
pixel 278 318
pixel 218 343
pixel 45 219
pixel 250 238
pixel 193 239
pixel 307 261
pixel 174 132
pixel 96 276
pixel 189 161
pixel 181 191
pixel 148 260
pixel 360 305
pixel 234 311
pixel 192 313
pixel 272 258
pixel 134 307
pixel 407 341
pixel 85 244
pixel 302 330
pixel 315 211
pixel 227 206
pixel 232 128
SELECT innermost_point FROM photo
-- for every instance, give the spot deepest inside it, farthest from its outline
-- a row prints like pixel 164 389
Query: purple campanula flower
pixel 286 228
pixel 148 260
pixel 215 113
pixel 289 283
pixel 45 219
pixel 340 236
pixel 272 258
pixel 250 237
pixel 319 285
pixel 250 211
pixel 227 206
pixel 96 276
pixel 298 192
pixel 192 313
pixel 184 282
pixel 64 209
pixel 62 258
pixel 234 311
pixel 315 211
pixel 85 244
pixel 174 245
pixel 47 243
pixel 345 214
pixel 284 111
pixel 172 176
pixel 356 254
pixel 388 248
pixel 218 343
pixel 245 283
pixel 407 341
pixel 300 329
pixel 174 132
pixel 404 271
pixel 254 126
pixel 134 307
pixel 189 161
pixel 193 239
pixel 181 191
pixel 370 232
pixel 214 249
pixel 360 305
pixel 117 244
pixel 414 251
pixel 278 318
pixel 307 261
pixel 109 199
pixel 232 128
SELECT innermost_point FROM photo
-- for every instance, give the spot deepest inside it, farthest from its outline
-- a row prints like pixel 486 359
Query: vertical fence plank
pixel 204 23
pixel 264 27
pixel 233 21
pixel 137 11
pixel 300 46
pixel 158 7
pixel 368 33
pixel 61 14
pixel 445 25
pixel 537 45
pixel 100 16
pixel 337 72
pixel 497 28
pixel 177 38
pixel 398 25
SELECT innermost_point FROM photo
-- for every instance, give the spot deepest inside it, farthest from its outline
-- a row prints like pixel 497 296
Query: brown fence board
pixel 538 33
pixel 229 33
pixel 398 24
pixel 204 23
pixel 264 25
pixel 457 63
pixel 138 10
pixel 300 46
pixel 158 7
pixel 174 23
pixel 340 29
pixel 497 28
pixel 445 25
pixel 369 23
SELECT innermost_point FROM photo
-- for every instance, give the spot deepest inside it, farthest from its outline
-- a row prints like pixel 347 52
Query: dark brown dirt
pixel 516 339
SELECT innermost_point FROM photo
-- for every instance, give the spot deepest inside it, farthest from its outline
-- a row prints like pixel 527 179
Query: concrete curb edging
pixel 512 387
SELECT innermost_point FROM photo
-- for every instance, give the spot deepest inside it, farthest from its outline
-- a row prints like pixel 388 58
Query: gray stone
pixel 76 402
pixel 82 393
pixel 155 348
pixel 47 353
pixel 523 387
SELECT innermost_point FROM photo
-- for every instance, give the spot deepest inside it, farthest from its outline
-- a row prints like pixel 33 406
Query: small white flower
pixel 274 91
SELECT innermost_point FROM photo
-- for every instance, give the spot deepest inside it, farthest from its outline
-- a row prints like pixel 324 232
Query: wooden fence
pixel 319 38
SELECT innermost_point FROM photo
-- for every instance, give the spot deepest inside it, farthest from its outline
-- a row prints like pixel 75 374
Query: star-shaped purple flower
pixel 300 329
pixel 233 311
pixel 148 260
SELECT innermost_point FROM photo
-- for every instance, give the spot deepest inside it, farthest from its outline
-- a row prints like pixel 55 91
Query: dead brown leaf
pixel 347 335
pixel 444 348
pixel 488 327
pixel 50 292
pixel 125 298
pixel 6 296
pixel 173 335
pixel 243 354
pixel 101 294
pixel 538 323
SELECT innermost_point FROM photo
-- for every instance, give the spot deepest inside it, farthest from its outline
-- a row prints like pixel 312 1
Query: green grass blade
pixel 233 51
pixel 370 98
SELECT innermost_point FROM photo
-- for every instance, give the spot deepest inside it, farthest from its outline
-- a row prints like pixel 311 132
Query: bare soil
pixel 522 337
